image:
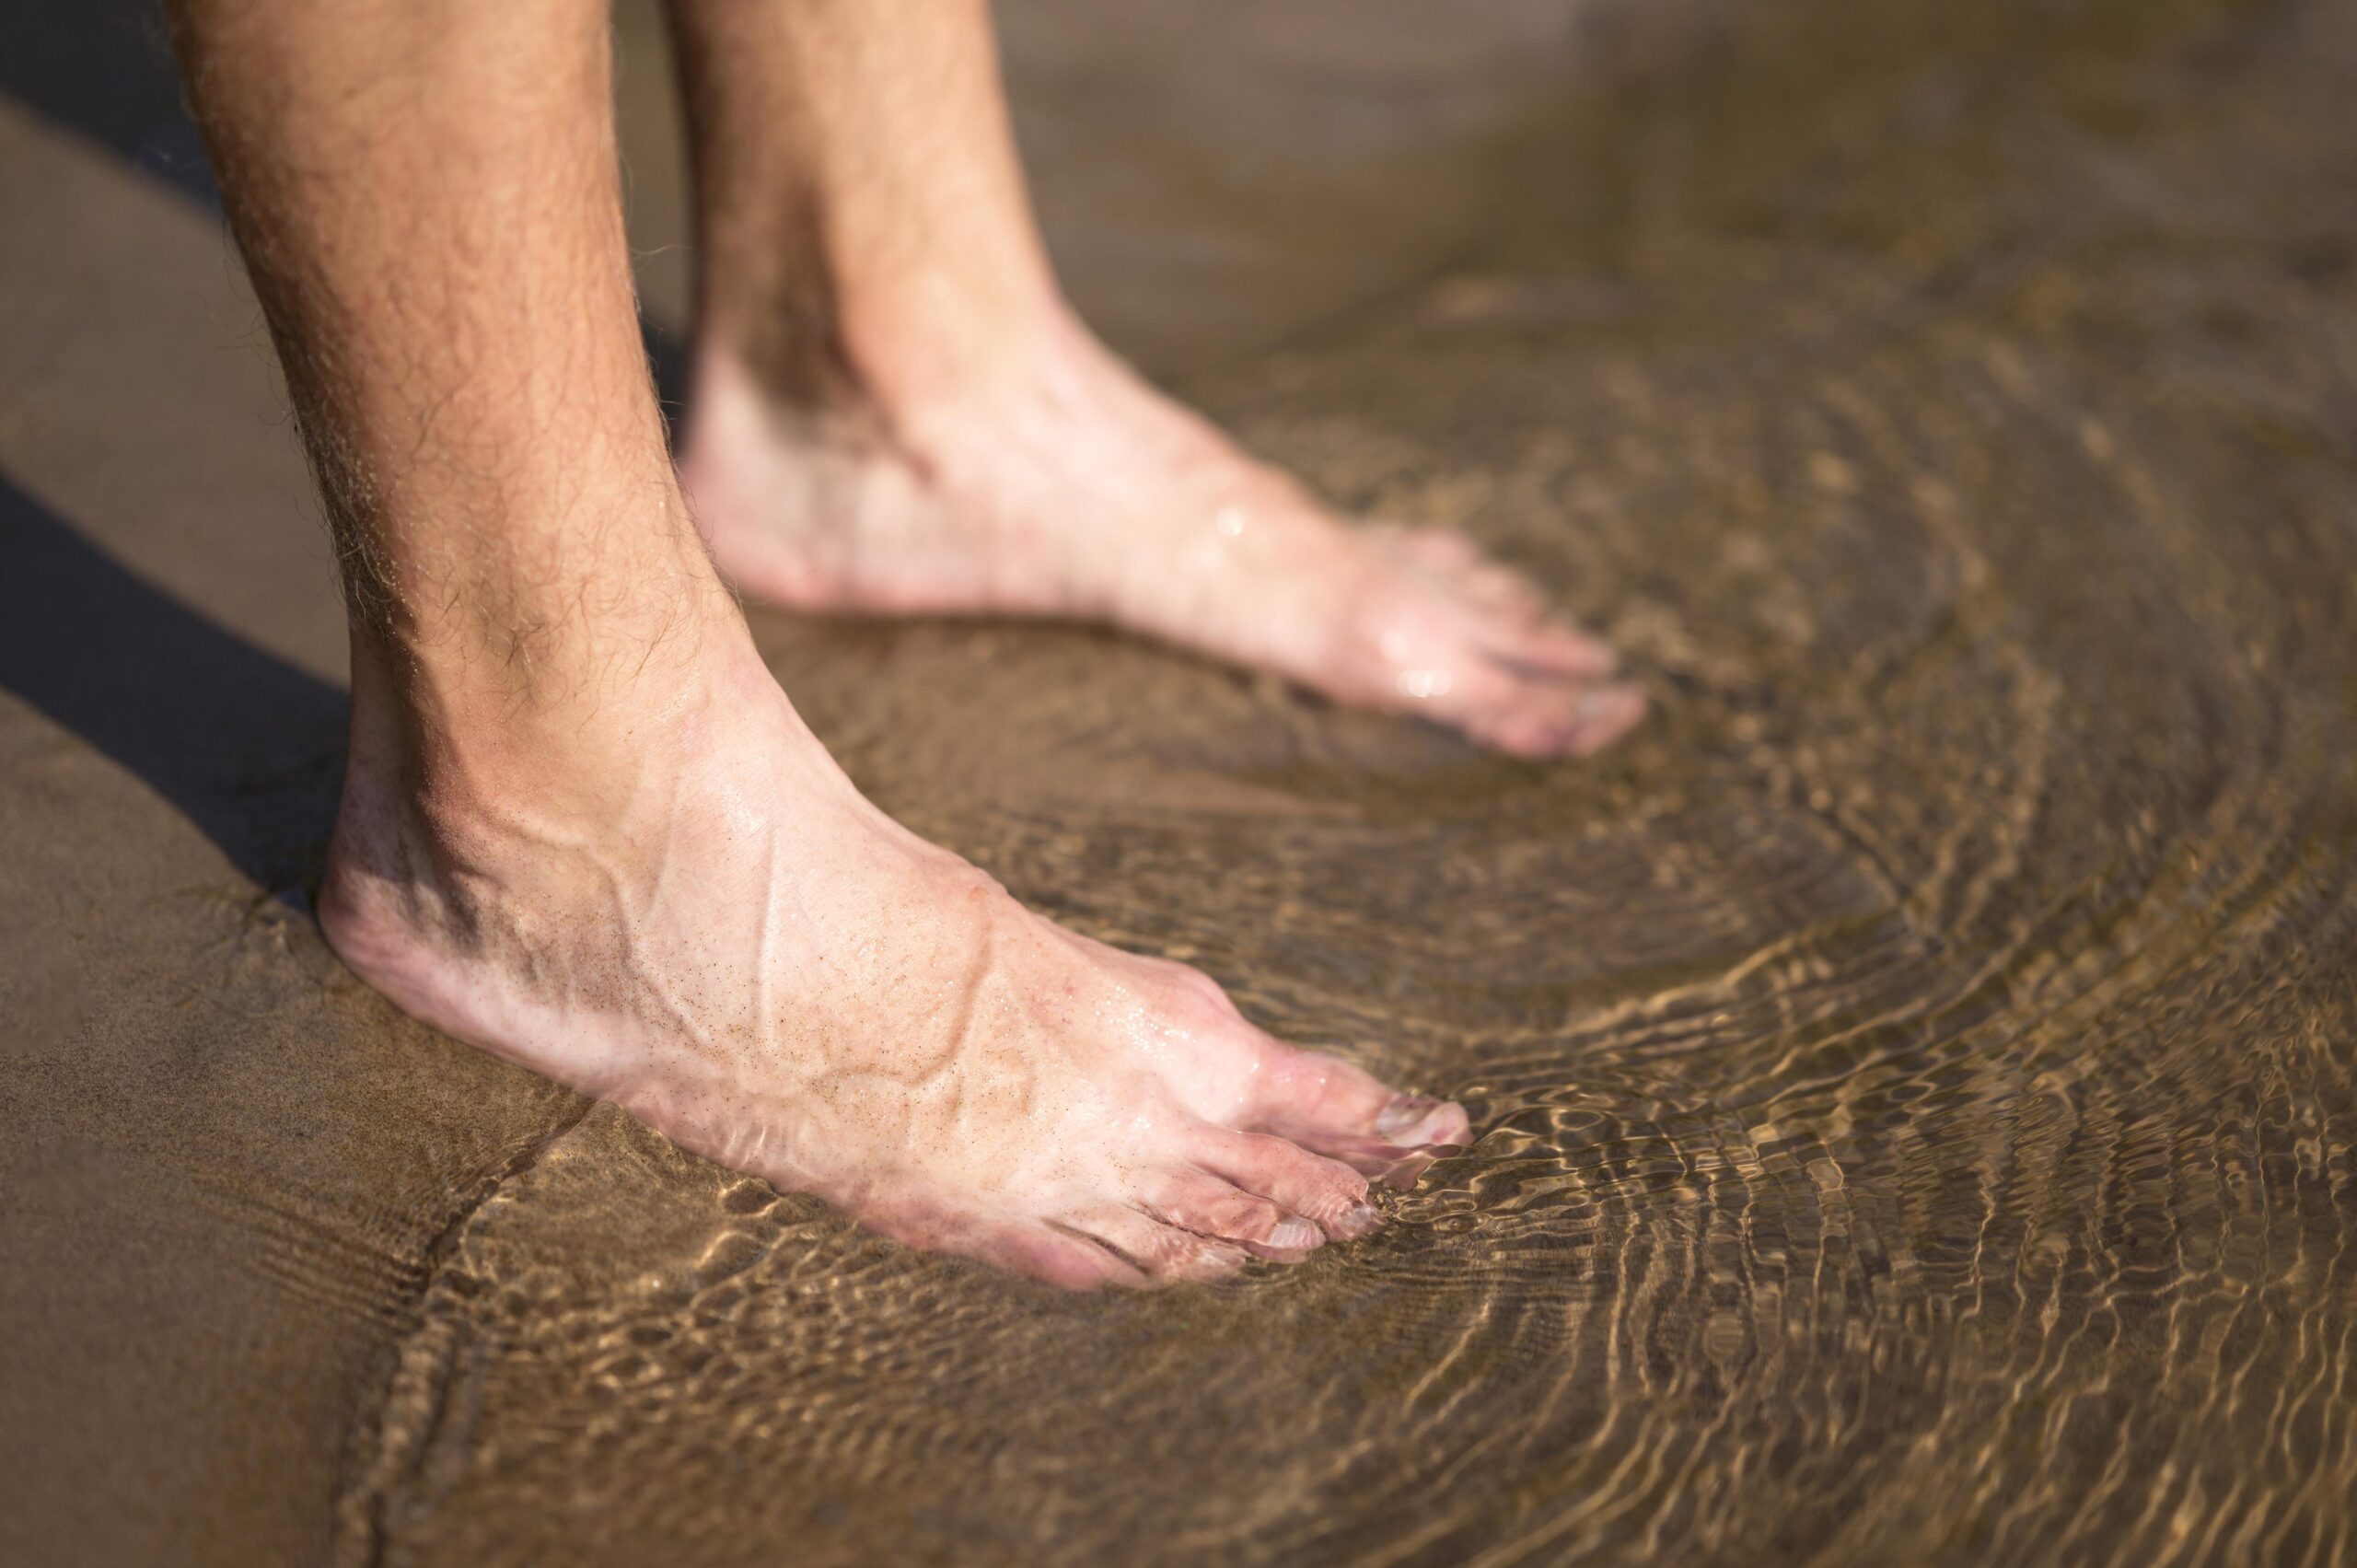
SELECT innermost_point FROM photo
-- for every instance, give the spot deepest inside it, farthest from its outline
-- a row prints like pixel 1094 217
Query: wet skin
pixel 724 937
pixel 1070 488
pixel 582 826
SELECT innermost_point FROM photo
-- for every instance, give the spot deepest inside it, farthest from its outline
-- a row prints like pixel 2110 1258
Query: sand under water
pixel 1913 1075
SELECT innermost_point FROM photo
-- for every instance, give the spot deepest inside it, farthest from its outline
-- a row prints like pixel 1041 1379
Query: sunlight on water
pixel 1911 1076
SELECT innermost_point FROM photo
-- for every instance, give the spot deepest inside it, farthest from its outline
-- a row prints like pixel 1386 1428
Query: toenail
pixel 1405 1115
pixel 1296 1235
pixel 1358 1220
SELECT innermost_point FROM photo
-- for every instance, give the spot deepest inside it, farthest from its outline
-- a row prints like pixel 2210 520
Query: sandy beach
pixel 1914 1078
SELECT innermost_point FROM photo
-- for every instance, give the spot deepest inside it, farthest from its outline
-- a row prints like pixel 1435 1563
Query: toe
pixel 1308 1091
pixel 1603 714
pixel 1059 1258
pixel 1493 594
pixel 1325 1104
pixel 1537 689
pixel 1419 1121
pixel 1544 718
pixel 1326 1191
pixel 1499 608
pixel 1547 646
pixel 1159 1253
pixel 1305 1095
pixel 1540 692
pixel 1054 1256
pixel 1213 1206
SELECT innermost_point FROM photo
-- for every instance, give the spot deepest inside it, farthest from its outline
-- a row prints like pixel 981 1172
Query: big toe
pixel 1325 1104
pixel 1417 1122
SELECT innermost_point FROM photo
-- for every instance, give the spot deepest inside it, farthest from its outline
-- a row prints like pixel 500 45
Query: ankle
pixel 907 355
pixel 889 368
pixel 438 758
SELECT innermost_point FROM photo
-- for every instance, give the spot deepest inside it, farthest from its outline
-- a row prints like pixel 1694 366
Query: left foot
pixel 1075 490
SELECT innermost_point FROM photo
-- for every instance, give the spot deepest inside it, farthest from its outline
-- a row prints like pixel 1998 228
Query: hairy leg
pixel 894 410
pixel 582 826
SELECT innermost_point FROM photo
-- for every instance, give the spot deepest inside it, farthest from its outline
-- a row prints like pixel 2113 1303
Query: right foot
pixel 694 914
pixel 1063 485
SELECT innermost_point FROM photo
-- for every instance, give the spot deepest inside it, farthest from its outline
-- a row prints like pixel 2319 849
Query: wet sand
pixel 1913 1075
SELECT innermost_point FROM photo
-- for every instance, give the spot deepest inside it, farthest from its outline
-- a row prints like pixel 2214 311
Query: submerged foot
pixel 688 909
pixel 1073 488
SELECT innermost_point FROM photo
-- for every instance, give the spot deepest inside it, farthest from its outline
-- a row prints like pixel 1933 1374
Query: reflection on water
pixel 1913 1077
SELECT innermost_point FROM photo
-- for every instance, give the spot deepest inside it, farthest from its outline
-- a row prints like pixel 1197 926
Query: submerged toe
pixel 1213 1206
pixel 1323 1190
pixel 1159 1253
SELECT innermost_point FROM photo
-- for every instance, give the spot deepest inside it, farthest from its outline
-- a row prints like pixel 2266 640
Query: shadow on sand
pixel 248 747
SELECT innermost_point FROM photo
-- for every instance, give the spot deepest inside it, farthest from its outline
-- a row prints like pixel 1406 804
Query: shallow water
pixel 1913 1077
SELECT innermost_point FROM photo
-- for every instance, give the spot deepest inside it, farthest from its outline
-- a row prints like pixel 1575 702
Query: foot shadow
pixel 247 747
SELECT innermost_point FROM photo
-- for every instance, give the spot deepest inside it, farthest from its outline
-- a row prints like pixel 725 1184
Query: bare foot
pixel 1073 488
pixel 686 908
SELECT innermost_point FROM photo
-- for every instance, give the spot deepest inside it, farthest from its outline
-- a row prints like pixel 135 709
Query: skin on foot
pixel 693 912
pixel 1072 489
